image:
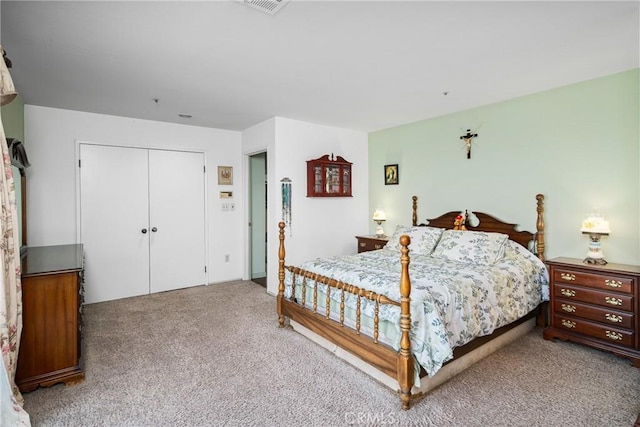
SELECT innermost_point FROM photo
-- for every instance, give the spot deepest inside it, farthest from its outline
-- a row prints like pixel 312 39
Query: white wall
pixel 321 226
pixel 50 137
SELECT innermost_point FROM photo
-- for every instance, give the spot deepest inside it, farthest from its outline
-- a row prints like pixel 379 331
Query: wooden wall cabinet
pixel 328 177
pixel 50 347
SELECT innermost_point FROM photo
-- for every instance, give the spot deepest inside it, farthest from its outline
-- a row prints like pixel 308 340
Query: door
pixel 176 220
pixel 142 220
pixel 114 221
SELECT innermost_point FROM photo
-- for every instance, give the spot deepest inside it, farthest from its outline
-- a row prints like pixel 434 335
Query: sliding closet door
pixel 176 220
pixel 114 217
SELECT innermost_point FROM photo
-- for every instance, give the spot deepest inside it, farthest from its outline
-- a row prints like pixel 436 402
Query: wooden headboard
pixel 492 224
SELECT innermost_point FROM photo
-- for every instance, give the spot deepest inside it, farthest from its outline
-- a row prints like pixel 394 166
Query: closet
pixel 142 220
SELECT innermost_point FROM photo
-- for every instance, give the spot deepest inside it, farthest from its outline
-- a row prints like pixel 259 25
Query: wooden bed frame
pixel 396 364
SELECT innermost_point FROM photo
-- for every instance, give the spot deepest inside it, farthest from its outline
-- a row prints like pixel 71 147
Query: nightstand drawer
pixel 601 332
pixel 366 244
pixel 600 281
pixel 604 299
pixel 614 318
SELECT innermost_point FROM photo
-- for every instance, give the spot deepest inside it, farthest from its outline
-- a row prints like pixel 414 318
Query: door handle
pixel 154 229
pixel 144 231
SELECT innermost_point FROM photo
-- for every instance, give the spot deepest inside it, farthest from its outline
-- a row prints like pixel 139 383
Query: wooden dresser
pixel 371 243
pixel 596 305
pixel 50 347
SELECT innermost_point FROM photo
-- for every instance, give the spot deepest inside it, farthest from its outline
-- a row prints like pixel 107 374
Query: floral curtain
pixel 11 412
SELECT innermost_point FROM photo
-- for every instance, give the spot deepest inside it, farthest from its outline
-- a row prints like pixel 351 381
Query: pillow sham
pixel 475 247
pixel 423 239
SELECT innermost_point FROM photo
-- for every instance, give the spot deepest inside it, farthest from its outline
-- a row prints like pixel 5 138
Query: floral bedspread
pixel 451 302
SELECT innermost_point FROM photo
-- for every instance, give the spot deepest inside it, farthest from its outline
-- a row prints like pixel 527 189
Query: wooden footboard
pixel 397 364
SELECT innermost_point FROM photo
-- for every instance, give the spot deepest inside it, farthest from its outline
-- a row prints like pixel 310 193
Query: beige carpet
pixel 213 355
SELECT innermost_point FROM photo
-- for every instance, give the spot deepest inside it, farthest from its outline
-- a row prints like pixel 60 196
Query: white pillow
pixel 423 239
pixel 475 247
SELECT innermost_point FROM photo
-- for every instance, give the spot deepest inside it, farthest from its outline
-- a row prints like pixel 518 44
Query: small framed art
pixel 391 176
pixel 225 175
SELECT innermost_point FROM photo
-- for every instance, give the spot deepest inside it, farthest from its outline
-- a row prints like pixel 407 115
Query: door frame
pixel 247 211
pixel 146 147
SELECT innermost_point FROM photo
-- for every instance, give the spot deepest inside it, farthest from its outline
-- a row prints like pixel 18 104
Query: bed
pixel 457 298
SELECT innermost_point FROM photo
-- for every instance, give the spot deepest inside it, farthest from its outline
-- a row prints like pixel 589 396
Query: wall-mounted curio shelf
pixel 328 177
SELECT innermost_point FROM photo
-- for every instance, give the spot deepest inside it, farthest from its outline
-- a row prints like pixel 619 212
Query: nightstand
pixel 371 243
pixel 596 305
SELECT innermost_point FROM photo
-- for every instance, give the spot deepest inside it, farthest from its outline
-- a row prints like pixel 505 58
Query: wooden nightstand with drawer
pixel 371 243
pixel 596 305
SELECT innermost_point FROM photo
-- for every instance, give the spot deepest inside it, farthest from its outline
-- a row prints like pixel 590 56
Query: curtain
pixel 10 284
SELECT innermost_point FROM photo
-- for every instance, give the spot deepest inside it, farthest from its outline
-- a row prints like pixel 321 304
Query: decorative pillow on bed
pixel 423 239
pixel 476 247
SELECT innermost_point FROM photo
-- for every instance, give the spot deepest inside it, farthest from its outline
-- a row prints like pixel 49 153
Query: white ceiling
pixel 364 65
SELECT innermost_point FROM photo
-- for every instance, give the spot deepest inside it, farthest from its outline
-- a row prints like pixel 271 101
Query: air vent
pixel 268 6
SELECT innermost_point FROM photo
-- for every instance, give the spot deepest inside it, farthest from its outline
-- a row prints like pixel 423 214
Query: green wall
pixel 13 124
pixel 13 118
pixel 579 145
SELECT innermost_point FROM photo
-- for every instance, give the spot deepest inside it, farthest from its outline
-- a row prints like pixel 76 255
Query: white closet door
pixel 113 212
pixel 176 220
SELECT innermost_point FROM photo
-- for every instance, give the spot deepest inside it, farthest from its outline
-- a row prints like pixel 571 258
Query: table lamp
pixel 379 217
pixel 595 226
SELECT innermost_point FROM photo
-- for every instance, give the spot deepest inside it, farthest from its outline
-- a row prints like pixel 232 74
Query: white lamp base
pixel 595 254
pixel 380 231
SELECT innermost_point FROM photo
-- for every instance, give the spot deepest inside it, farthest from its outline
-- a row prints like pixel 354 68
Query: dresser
pixel 371 243
pixel 596 305
pixel 51 343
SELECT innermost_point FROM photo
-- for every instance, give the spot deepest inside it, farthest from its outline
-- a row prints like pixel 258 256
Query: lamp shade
pixel 7 89
pixel 379 215
pixel 595 224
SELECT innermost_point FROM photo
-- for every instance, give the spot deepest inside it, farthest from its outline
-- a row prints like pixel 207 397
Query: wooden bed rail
pixel 404 359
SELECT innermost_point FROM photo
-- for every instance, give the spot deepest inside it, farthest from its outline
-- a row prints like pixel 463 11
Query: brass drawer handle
pixel 613 318
pixel 569 308
pixel 613 301
pixel 568 292
pixel 613 335
pixel 568 323
pixel 568 276
pixel 613 283
pixel 362 245
pixel 378 246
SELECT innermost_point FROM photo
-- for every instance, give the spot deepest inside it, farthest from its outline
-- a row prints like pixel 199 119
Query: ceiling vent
pixel 268 6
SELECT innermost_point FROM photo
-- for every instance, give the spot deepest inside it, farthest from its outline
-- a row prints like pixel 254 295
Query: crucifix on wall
pixel 468 138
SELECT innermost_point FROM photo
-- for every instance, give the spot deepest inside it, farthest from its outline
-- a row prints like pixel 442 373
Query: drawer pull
pixel 613 301
pixel 568 277
pixel 613 283
pixel 613 335
pixel 568 292
pixel 362 245
pixel 378 246
pixel 613 318
pixel 568 324
pixel 569 308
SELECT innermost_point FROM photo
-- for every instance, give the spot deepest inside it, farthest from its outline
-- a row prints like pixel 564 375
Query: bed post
pixel 405 359
pixel 281 253
pixel 540 227
pixel 414 216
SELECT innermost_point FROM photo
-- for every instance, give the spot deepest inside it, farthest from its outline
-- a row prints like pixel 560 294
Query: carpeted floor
pixel 213 355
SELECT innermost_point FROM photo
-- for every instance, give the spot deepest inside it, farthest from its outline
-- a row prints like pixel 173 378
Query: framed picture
pixel 225 175
pixel 391 176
